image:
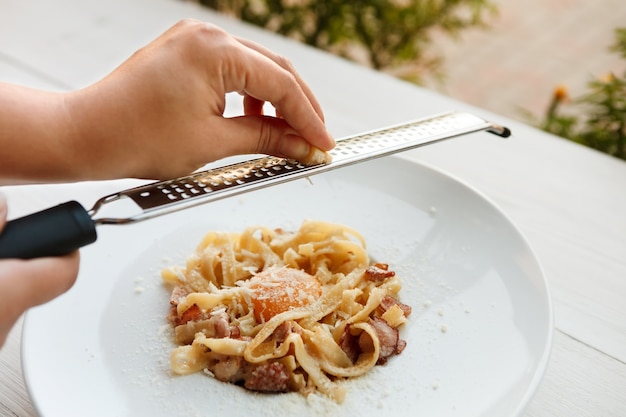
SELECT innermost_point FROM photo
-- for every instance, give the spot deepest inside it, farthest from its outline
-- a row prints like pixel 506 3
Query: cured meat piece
pixel 387 336
pixel 378 272
pixel 387 302
pixel 229 369
pixel 178 293
pixel 193 313
pixel 269 377
pixel 216 325
pixel 350 344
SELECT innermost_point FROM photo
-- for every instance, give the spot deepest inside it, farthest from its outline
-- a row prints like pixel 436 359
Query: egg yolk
pixel 279 289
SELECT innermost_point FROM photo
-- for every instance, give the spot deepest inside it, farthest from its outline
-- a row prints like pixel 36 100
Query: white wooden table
pixel 569 201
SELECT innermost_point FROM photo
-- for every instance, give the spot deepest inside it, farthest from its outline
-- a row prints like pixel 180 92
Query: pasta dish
pixel 278 311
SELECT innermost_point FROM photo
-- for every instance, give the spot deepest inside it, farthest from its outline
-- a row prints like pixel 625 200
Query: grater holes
pixel 365 146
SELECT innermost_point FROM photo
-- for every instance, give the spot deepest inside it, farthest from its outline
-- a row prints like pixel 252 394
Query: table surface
pixel 567 200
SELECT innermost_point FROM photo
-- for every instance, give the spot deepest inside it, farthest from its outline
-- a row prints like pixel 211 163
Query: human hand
pixel 25 284
pixel 160 114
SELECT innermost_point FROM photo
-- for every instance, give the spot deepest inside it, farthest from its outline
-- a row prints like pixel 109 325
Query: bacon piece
pixel 217 325
pixel 388 337
pixel 378 272
pixel 268 377
pixel 193 313
pixel 221 325
pixel 387 302
pixel 365 343
pixel 350 344
pixel 229 369
pixel 178 293
pixel 235 332
pixel 401 346
pixel 284 329
pixel 172 317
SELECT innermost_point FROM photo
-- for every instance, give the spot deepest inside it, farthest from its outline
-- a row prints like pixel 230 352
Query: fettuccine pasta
pixel 277 311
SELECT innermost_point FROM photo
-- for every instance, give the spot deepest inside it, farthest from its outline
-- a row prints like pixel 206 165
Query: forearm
pixel 35 129
pixel 55 137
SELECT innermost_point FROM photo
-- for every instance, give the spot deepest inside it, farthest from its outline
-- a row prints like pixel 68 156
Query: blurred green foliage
pixel 390 35
pixel 598 118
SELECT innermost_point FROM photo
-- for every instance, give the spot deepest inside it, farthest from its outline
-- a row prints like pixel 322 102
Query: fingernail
pixel 331 141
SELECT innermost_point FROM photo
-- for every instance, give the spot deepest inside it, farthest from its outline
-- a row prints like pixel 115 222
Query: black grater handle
pixel 55 231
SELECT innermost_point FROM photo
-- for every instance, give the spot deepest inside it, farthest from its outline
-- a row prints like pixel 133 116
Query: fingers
pixel 25 284
pixel 286 64
pixel 268 77
pixel 37 281
pixel 263 135
pixel 252 106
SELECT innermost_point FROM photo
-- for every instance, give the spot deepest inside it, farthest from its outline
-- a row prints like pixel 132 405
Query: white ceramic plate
pixel 478 338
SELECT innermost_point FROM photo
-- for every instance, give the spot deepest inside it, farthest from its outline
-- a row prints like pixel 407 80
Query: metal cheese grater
pixel 64 228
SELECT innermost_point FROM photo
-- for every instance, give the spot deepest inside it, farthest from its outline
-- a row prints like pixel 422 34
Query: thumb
pixel 263 135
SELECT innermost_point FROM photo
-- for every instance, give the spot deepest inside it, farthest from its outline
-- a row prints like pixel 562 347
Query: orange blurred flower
pixel 560 93
pixel 608 78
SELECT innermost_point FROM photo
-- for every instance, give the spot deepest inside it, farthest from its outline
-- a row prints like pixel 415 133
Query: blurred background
pixel 557 64
pixel 531 48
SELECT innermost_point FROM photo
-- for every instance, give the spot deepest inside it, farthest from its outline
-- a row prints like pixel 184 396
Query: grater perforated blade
pixel 172 195
pixel 67 227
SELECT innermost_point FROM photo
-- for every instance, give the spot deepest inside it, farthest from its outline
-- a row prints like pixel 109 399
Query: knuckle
pixel 264 142
pixel 187 22
pixel 199 34
pixel 285 63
